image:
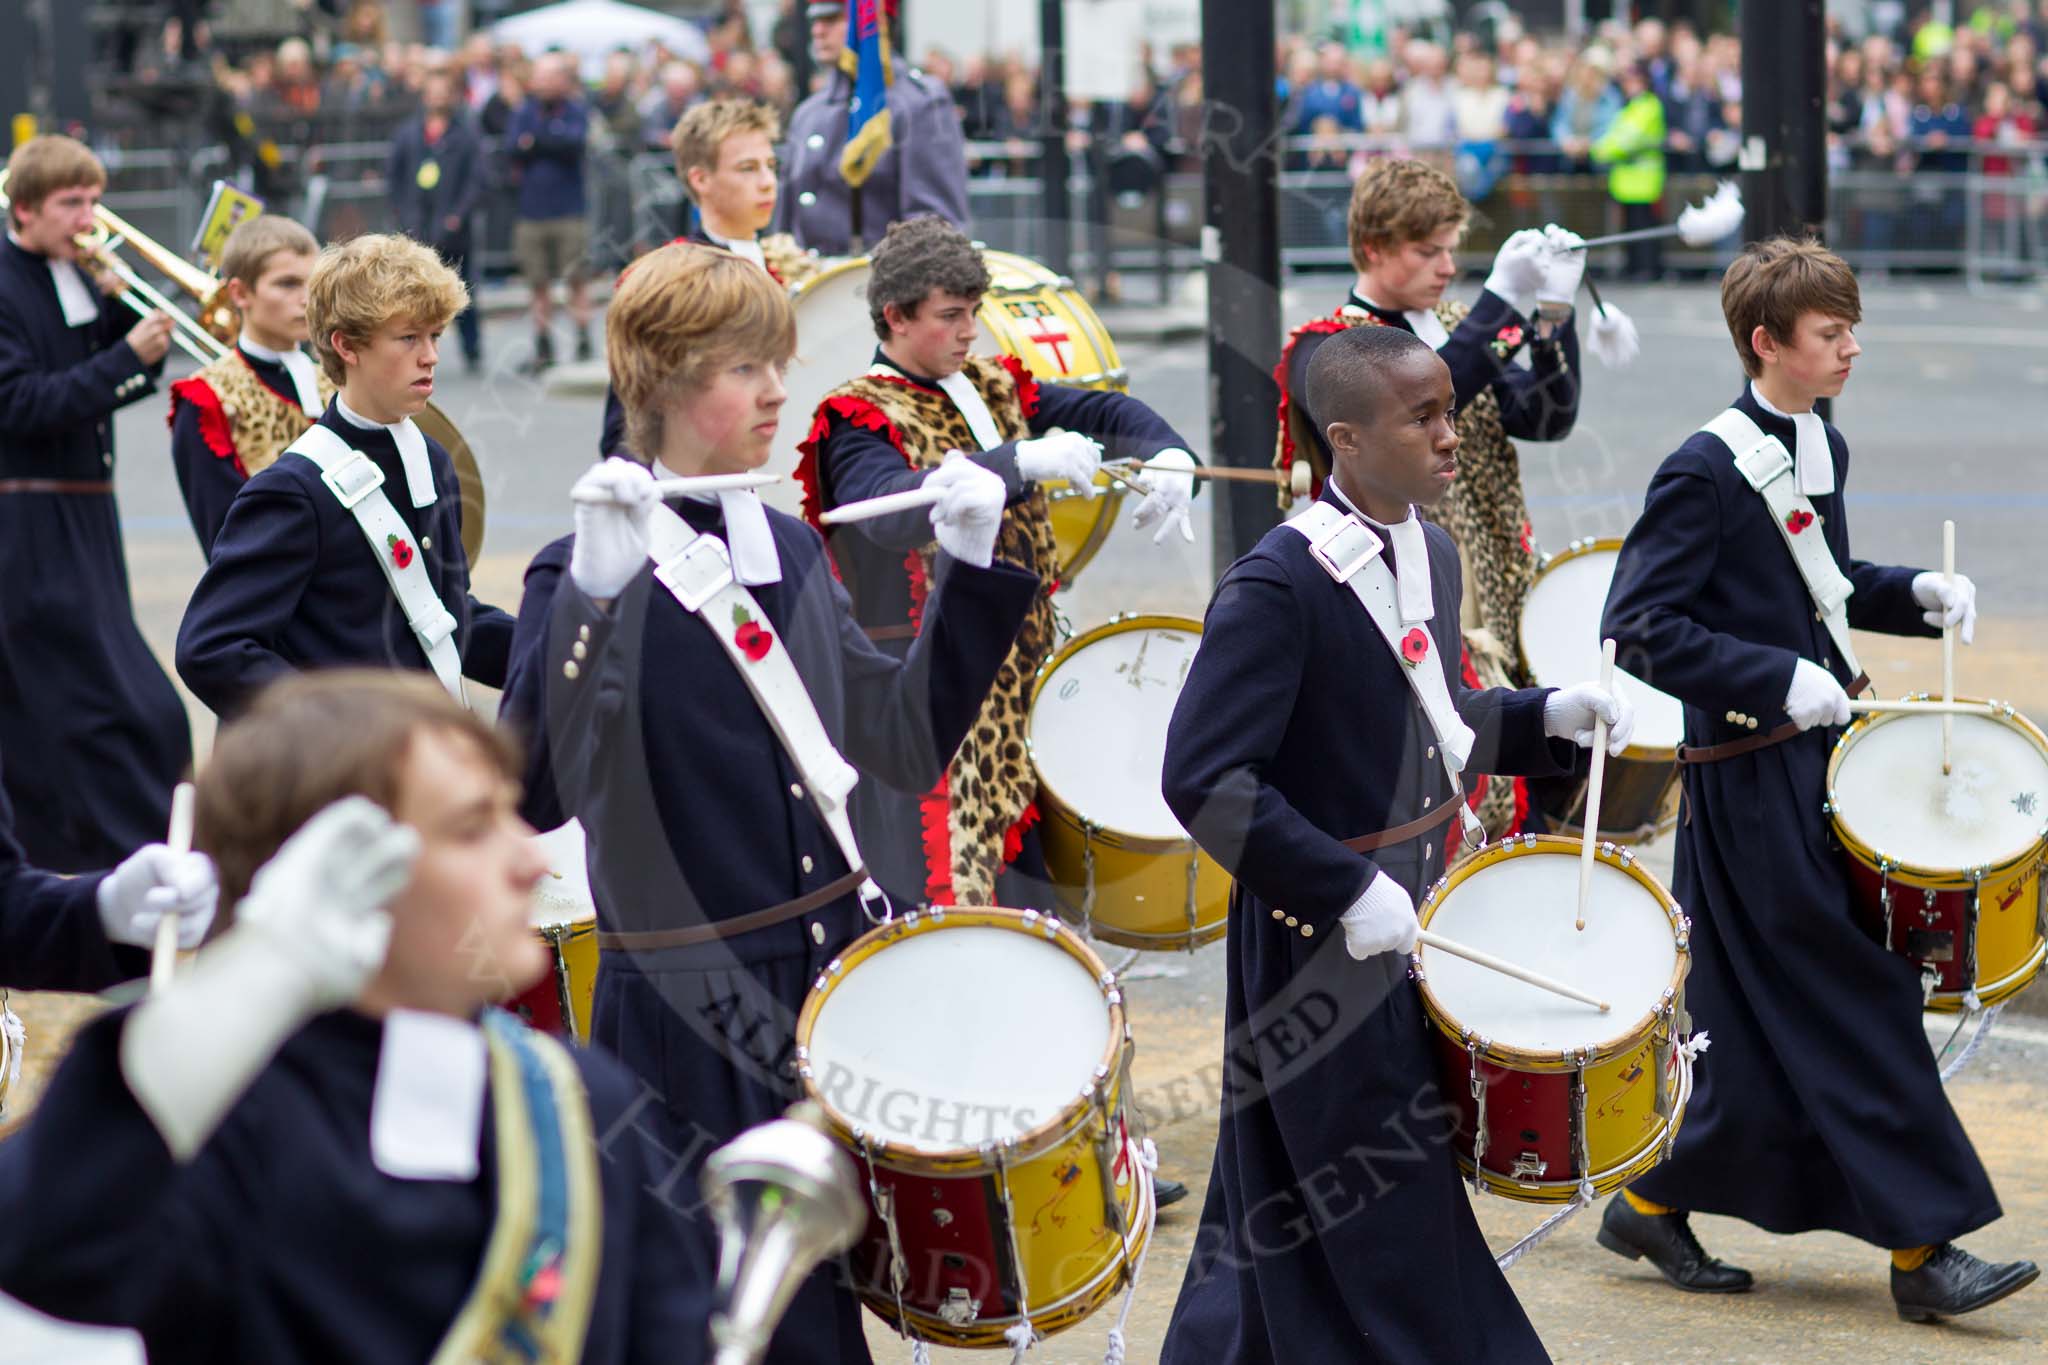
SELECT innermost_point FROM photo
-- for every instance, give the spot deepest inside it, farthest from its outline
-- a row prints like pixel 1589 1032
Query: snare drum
pixel 974 1062
pixel 1948 869
pixel 1560 645
pixel 565 916
pixel 1551 1093
pixel 1028 312
pixel 1097 738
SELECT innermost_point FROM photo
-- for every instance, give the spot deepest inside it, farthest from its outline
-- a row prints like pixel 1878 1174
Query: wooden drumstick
pixel 1132 471
pixel 1870 705
pixel 694 483
pixel 1492 963
pixel 163 957
pixel 1590 827
pixel 1948 652
pixel 868 508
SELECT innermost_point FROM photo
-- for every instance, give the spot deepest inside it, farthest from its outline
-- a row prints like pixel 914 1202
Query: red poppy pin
pixel 1415 646
pixel 1528 539
pixel 1507 340
pixel 751 636
pixel 1798 520
pixel 401 550
pixel 546 1285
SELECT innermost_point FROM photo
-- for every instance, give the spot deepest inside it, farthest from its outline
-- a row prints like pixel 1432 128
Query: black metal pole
pixel 1784 122
pixel 1784 117
pixel 1052 151
pixel 1241 248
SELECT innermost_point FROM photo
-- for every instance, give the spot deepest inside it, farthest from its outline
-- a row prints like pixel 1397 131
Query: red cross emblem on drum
pixel 1051 339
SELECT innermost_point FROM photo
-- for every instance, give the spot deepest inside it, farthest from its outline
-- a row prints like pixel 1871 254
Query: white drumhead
pixel 1891 794
pixel 958 1036
pixel 1098 727
pixel 1561 641
pixel 835 342
pixel 1521 909
pixel 563 896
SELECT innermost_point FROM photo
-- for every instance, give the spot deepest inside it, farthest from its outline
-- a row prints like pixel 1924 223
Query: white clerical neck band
pixel 1812 461
pixel 1411 553
pixel 256 351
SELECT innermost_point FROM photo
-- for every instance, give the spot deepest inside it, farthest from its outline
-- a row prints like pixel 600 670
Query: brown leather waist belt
pixel 1401 834
pixel 906 631
pixel 1749 744
pixel 54 486
pixel 690 937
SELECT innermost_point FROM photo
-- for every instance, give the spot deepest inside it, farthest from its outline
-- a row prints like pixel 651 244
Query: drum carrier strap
pixel 1767 466
pixel 1349 552
pixel 697 571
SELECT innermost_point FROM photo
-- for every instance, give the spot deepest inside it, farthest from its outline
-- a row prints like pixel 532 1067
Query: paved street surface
pixel 1943 419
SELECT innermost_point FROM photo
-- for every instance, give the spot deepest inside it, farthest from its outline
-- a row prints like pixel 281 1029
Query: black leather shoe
pixel 1952 1281
pixel 1667 1240
pixel 1166 1192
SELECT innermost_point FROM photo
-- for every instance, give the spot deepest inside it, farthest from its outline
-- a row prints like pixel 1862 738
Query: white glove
pixel 1571 713
pixel 1061 455
pixel 154 882
pixel 1172 491
pixel 970 513
pixel 1380 921
pixel 307 937
pixel 1948 604
pixel 612 501
pixel 1564 265
pixel 1815 698
pixel 1518 268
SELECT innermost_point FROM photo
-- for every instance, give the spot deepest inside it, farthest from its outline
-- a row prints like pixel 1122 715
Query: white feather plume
pixel 1612 337
pixel 1714 218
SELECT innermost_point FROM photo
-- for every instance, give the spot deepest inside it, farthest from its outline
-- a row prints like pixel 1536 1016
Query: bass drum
pixel 435 423
pixel 1029 312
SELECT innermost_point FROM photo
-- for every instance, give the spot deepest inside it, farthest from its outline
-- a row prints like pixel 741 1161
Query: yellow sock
pixel 1911 1259
pixel 1644 1206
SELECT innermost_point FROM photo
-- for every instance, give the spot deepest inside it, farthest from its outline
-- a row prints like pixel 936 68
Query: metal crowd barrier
pixel 1988 223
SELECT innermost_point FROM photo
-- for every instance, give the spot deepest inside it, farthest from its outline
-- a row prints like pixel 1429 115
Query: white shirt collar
pixel 745 247
pixel 1411 553
pixel 257 350
pixel 1813 460
pixel 1428 326
pixel 748 540
pixel 412 450
pixel 295 363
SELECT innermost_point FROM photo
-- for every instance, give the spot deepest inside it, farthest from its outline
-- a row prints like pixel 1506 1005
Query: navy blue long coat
pixel 292 584
pixel 50 933
pixel 1336 1226
pixel 1821 1105
pixel 281 1241
pixel 639 726
pixel 94 732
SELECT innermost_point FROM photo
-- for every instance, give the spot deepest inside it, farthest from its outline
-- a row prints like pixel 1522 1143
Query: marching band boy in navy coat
pixel 721 887
pixel 90 932
pixel 293 582
pixel 236 416
pixel 94 732
pixel 1336 1227
pixel 1823 1107
pixel 243 1167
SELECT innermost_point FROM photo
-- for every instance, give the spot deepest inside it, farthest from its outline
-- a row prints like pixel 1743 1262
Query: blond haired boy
pixel 1821 1106
pixel 94 733
pixel 348 549
pixel 723 863
pixel 237 415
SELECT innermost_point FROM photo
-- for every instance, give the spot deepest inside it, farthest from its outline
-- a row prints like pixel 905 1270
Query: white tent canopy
pixel 592 29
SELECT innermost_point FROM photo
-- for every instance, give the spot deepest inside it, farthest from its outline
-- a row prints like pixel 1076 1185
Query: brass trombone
pixel 211 335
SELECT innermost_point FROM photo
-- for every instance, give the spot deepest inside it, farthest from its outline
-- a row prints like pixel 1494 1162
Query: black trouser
pixel 1645 259
pixel 469 322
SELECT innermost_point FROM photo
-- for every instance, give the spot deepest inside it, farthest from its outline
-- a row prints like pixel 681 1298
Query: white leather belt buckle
pixel 1345 548
pixel 698 574
pixel 353 479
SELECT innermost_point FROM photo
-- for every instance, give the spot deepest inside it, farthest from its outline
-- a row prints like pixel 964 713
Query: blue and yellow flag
pixel 866 59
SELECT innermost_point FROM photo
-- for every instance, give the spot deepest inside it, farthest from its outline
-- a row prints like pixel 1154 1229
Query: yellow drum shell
pixel 1142 890
pixel 2011 937
pixel 1077 1215
pixel 1628 1125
